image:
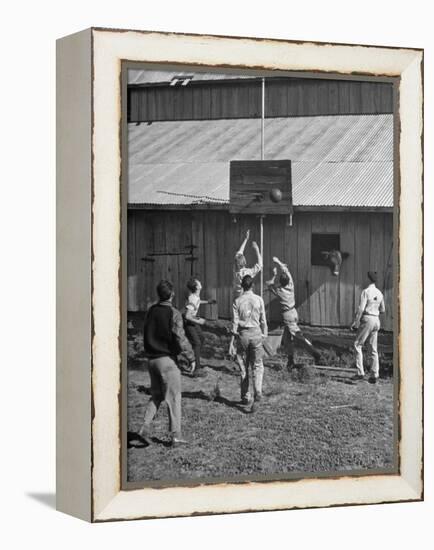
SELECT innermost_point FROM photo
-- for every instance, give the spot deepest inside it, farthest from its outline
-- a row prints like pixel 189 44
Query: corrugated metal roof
pixel 337 160
pixel 139 76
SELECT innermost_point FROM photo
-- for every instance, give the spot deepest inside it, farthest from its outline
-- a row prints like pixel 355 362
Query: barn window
pixel 323 242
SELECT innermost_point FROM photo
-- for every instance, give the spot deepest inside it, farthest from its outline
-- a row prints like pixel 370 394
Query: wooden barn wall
pixel 290 97
pixel 322 299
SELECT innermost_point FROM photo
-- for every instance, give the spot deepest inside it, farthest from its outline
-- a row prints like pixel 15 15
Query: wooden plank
pixel 165 104
pixel 323 97
pixel 141 266
pixel 376 250
pixel 132 302
pixel 205 108
pixel 220 264
pixel 294 98
pixel 333 98
pixel 344 98
pixel 216 103
pixel 325 286
pixel 388 281
pixel 302 297
pixel 151 104
pixel 346 283
pixel 210 237
pixel 187 102
pixel 362 243
pixel 284 97
pixel 311 98
pixel 254 103
pixel 172 244
pixel 276 247
pixel 386 94
pixel 134 106
pixel 276 98
pixel 355 97
pixel 367 99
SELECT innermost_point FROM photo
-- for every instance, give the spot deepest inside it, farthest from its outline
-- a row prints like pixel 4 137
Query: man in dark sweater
pixel 164 339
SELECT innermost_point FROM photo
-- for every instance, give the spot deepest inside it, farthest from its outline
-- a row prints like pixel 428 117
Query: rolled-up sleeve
pixel 178 331
pixel 263 319
pixel 235 318
pixel 255 269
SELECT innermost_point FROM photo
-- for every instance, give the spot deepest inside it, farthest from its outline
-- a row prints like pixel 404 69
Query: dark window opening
pixel 323 242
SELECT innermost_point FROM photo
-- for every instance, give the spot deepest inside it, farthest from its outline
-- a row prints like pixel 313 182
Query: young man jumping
pixel 240 269
pixel 292 334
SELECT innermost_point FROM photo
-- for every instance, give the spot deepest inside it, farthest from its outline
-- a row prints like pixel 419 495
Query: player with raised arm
pixel 240 269
pixel 292 334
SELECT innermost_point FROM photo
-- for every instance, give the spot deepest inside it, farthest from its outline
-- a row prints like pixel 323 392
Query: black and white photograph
pixel 259 282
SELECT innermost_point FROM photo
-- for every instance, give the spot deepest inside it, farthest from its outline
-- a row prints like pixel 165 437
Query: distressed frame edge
pixel 411 490
pixel 73 275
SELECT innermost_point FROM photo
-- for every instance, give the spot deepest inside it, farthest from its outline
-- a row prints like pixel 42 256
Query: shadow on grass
pixel 135 441
pixel 137 364
pixel 232 371
pixel 214 399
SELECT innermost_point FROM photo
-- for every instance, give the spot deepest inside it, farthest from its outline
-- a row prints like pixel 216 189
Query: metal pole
pixel 263 122
pixel 261 219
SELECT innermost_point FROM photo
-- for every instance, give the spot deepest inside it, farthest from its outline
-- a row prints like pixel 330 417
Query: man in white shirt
pixel 367 324
pixel 250 326
pixel 240 269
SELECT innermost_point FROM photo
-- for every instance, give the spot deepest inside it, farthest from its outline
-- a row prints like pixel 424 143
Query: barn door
pixel 163 248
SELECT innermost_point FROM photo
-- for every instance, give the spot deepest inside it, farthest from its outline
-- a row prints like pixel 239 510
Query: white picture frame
pixel 89 309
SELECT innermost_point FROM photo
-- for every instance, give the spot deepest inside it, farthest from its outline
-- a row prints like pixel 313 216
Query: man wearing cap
pixel 367 324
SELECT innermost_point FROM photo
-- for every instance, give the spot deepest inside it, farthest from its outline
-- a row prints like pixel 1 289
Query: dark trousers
pixel 195 337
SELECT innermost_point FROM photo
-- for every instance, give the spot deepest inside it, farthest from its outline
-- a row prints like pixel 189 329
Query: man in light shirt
pixel 193 323
pixel 367 324
pixel 292 335
pixel 240 269
pixel 250 327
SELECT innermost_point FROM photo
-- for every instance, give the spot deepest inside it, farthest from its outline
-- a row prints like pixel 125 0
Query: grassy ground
pixel 308 422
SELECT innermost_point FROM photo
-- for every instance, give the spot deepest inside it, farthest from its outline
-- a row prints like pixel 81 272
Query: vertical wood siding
pixel 322 299
pixel 284 97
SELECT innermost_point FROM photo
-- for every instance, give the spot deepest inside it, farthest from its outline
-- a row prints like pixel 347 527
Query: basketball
pixel 276 195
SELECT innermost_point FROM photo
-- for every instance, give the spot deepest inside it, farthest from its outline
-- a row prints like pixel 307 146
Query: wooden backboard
pixel 251 182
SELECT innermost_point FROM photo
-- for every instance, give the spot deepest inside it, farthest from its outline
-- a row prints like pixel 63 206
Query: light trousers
pixel 368 333
pixel 165 386
pixel 250 354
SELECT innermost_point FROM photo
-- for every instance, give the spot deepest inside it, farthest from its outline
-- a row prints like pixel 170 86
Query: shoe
pixel 373 380
pixel 258 398
pixel 198 374
pixel 144 434
pixel 359 377
pixel 178 442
